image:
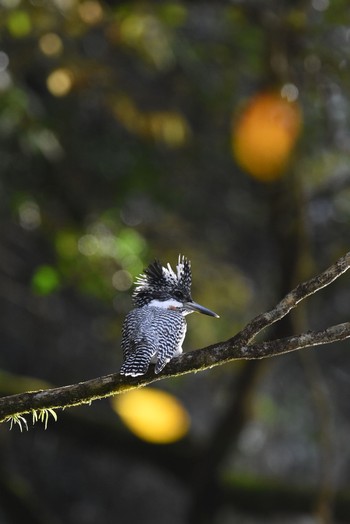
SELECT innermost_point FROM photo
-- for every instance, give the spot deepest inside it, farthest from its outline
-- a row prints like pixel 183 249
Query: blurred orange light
pixel 90 12
pixel 169 127
pixel 50 44
pixel 265 134
pixel 153 415
pixel 60 82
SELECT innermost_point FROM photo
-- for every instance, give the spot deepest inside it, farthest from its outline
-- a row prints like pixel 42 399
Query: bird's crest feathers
pixel 158 281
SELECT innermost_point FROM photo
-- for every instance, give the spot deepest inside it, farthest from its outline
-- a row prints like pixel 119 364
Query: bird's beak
pixel 193 306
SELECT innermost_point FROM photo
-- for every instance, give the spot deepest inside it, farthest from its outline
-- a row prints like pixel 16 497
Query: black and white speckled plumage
pixel 151 334
pixel 155 330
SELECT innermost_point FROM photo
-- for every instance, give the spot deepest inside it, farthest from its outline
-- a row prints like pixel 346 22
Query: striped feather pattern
pixel 151 334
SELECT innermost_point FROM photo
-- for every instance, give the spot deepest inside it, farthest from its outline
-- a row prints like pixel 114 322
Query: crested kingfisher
pixel 155 330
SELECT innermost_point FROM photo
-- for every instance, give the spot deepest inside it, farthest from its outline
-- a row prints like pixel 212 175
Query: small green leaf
pixel 45 280
pixel 19 23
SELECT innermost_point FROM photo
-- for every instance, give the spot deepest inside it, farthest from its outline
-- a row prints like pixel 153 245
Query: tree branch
pixel 236 348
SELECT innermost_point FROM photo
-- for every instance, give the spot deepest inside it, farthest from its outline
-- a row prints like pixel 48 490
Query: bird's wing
pixel 170 328
pixel 138 342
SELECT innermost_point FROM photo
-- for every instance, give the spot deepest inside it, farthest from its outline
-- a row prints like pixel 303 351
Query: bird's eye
pixel 178 295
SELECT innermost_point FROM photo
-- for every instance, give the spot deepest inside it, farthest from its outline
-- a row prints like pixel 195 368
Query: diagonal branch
pixel 236 348
pixel 292 299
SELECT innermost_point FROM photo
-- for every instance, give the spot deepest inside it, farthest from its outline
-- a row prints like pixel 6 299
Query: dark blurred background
pixel 140 130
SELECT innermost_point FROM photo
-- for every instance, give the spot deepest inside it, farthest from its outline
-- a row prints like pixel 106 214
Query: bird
pixel 154 331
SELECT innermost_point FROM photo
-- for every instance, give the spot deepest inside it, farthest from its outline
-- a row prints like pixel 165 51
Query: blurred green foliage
pixel 116 130
pixel 45 280
pixel 115 138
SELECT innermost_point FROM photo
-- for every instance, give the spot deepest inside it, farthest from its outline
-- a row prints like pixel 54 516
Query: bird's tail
pixel 137 363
